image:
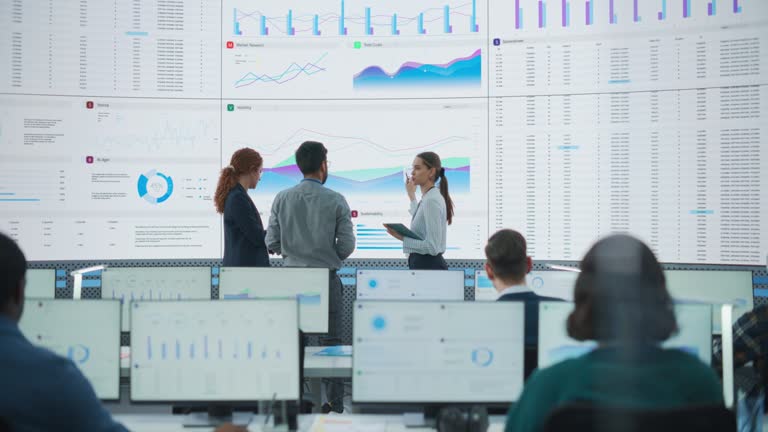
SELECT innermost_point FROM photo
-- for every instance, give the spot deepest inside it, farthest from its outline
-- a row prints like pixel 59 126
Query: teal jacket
pixel 655 378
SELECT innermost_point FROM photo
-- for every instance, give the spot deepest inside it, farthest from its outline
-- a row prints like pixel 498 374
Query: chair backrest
pixel 585 417
pixel 5 425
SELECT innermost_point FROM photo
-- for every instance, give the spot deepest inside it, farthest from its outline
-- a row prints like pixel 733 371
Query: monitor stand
pixel 216 416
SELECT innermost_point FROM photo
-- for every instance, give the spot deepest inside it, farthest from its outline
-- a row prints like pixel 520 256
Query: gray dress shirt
pixel 311 226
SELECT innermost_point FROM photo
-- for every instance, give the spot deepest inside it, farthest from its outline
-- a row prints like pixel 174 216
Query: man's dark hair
pixel 310 156
pixel 13 267
pixel 507 255
pixel 621 295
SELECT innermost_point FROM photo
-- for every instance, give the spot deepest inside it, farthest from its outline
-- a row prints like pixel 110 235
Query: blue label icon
pixel 372 283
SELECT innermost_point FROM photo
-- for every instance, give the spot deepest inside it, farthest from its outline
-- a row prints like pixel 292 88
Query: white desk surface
pixel 315 366
pixel 307 423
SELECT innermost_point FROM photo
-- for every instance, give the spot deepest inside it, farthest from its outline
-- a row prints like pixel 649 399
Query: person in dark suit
pixel 244 233
pixel 507 263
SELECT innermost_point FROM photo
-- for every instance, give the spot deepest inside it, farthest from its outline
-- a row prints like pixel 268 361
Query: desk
pixel 307 423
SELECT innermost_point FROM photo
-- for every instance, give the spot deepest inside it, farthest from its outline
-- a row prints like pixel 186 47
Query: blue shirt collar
pixel 312 180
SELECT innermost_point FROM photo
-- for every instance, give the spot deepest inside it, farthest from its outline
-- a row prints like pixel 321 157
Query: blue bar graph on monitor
pixel 263 26
pixel 473 20
pixel 289 23
pixel 395 31
pixel 368 28
pixel 446 19
pixel 237 25
pixel 421 23
pixel 315 29
pixel 341 19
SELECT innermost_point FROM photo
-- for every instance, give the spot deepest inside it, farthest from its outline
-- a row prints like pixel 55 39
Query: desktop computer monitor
pixel 85 331
pixel 551 283
pixel 41 283
pixel 309 286
pixel 484 289
pixel 694 336
pixel 410 285
pixel 214 351
pixel 437 352
pixel 154 283
pixel 714 287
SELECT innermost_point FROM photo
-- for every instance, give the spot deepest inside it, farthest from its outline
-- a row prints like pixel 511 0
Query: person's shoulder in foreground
pixel 666 378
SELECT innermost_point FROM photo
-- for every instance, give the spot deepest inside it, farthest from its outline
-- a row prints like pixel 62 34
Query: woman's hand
pixel 410 187
pixel 394 233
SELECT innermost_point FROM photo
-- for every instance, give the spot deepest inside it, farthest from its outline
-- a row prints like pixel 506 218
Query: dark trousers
pixel 426 262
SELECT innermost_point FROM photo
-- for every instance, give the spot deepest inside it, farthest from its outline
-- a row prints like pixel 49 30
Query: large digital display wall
pixel 566 120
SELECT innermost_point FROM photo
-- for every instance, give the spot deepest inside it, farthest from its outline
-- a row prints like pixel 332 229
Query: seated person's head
pixel 621 296
pixel 13 267
pixel 507 260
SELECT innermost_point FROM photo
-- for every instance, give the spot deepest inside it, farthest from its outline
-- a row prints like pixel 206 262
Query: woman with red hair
pixel 244 232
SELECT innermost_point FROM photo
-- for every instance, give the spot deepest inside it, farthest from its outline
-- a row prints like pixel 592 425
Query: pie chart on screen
pixel 155 187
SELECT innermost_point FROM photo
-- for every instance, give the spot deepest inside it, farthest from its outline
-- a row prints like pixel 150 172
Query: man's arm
pixel 345 233
pixel 273 230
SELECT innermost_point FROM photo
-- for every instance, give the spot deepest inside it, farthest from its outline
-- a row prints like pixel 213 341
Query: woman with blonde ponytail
pixel 244 232
pixel 430 216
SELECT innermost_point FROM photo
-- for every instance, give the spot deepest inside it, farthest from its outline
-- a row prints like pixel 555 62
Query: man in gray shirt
pixel 311 226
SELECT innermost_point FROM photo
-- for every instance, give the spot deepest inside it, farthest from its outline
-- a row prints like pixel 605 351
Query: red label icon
pixel 89 159
pixel 354 213
pixel 89 105
pixel 230 44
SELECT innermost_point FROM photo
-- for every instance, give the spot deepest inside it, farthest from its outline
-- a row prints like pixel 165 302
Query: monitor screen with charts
pixel 437 352
pixel 154 283
pixel 558 284
pixel 309 286
pixel 85 331
pixel 694 336
pixel 714 287
pixel 410 284
pixel 209 351
pixel 41 283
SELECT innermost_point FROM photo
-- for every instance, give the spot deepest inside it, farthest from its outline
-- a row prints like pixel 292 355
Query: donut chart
pixel 155 187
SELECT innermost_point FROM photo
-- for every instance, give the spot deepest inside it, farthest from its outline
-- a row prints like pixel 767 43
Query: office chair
pixel 586 417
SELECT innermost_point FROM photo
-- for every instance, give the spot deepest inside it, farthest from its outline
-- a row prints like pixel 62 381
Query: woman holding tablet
pixel 244 244
pixel 430 217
